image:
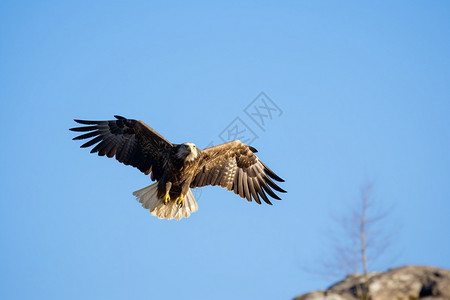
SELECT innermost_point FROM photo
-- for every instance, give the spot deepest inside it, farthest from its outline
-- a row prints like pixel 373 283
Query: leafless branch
pixel 358 240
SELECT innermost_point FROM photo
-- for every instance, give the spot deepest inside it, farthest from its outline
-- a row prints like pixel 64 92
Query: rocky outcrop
pixel 405 283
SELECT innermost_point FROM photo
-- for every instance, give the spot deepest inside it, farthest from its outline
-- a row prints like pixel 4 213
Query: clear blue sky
pixel 365 95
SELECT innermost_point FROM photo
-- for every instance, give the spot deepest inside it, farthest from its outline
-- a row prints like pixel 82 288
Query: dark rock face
pixel 405 283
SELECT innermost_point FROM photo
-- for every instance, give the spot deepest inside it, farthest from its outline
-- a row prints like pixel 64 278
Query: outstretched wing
pixel 234 166
pixel 132 142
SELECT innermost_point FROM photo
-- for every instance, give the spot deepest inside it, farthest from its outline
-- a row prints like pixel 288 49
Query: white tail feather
pixel 148 196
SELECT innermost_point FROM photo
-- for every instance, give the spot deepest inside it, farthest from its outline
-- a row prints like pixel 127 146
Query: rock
pixel 404 283
pixel 411 282
pixel 323 295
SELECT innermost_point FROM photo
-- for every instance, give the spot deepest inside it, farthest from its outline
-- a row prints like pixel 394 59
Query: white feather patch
pixel 148 196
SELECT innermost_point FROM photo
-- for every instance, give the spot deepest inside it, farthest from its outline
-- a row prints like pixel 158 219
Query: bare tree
pixel 357 241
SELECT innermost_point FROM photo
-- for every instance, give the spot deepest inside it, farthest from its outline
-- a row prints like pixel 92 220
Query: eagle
pixel 178 168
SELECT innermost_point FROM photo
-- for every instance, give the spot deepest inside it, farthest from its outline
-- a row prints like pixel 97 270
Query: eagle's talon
pixel 180 201
pixel 166 198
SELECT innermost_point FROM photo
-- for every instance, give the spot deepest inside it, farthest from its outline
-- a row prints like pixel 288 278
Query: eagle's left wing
pixel 234 166
pixel 132 142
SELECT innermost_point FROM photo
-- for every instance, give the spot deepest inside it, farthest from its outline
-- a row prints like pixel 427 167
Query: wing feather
pixel 203 179
pixel 263 184
pixel 87 135
pixel 109 144
pixel 227 181
pixel 241 183
pixel 246 191
pixel 112 151
pixel 91 142
pixel 269 191
pixel 85 128
pixel 236 183
pixel 219 175
pixel 273 184
pixel 251 171
pixel 271 173
pixel 253 191
pixel 211 175
pixel 260 191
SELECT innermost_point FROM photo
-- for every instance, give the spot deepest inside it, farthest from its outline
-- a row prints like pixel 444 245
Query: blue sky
pixel 364 93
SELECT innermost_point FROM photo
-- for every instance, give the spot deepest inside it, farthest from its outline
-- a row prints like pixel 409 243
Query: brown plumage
pixel 179 167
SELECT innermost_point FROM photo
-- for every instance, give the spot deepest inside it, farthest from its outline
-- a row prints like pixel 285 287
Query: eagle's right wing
pixel 234 166
pixel 132 142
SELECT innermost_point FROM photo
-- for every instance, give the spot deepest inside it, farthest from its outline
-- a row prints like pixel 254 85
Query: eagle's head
pixel 187 152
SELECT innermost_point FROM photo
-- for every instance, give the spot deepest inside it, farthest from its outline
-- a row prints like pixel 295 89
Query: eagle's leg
pixel 167 196
pixel 180 201
pixel 184 191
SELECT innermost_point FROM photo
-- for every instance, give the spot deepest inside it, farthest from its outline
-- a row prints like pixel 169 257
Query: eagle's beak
pixel 192 148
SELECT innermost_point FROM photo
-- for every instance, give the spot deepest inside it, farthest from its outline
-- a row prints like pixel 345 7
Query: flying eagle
pixel 179 167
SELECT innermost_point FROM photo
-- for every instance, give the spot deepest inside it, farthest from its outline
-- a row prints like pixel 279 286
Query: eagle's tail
pixel 148 196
